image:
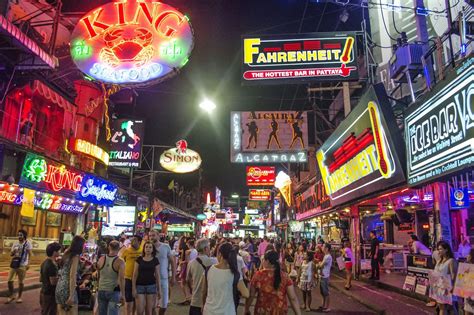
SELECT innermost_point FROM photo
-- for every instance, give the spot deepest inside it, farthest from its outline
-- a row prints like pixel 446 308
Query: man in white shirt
pixel 325 267
pixel 464 248
pixel 418 247
pixel 21 252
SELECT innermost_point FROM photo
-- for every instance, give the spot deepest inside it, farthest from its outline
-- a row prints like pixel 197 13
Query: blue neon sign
pixel 97 191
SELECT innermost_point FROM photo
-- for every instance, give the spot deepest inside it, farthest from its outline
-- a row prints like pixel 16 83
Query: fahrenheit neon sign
pixel 85 147
pixel 132 42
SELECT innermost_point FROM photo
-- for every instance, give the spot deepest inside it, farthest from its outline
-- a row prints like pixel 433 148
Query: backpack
pixel 235 291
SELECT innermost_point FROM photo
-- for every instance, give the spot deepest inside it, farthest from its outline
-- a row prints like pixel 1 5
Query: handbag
pixel 16 261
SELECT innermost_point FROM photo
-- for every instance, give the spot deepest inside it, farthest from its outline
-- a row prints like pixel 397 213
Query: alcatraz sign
pixel 440 132
pixel 278 59
pixel 132 42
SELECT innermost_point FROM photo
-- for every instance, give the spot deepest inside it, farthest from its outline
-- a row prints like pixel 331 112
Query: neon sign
pixel 260 195
pixel 87 148
pixel 360 156
pixel 180 159
pixel 295 58
pixel 260 176
pixel 97 191
pixel 126 143
pixel 132 42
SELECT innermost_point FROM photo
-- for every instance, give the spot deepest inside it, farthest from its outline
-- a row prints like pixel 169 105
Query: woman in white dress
pixel 223 283
pixel 445 266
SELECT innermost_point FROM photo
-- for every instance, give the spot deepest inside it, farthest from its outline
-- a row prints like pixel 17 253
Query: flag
pixel 28 205
pixel 171 185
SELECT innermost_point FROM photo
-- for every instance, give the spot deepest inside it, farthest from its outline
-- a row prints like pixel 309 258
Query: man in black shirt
pixel 49 278
pixel 374 256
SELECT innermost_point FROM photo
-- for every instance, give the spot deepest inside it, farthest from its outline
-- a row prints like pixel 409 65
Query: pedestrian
pixel 374 256
pixel 166 259
pixel 445 266
pixel 464 248
pixel 262 247
pixel 111 294
pixel 245 254
pixel 129 256
pixel 222 284
pixel 146 279
pixel 196 270
pixel 66 294
pixel 49 279
pixel 325 267
pixel 289 257
pixel 306 280
pixel 273 288
pixel 418 247
pixel 20 252
pixel 348 261
pixel 241 265
pixel 299 256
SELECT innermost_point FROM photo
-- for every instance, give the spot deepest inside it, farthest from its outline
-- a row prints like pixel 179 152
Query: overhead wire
pixel 384 24
pixel 393 19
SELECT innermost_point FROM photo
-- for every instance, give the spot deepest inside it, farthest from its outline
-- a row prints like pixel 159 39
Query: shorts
pixel 129 291
pixel 324 286
pixel 348 266
pixel 20 272
pixel 164 293
pixel 146 289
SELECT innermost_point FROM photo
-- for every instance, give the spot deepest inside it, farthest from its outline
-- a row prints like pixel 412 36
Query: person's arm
pixel 72 280
pixel 249 301
pixel 172 261
pixel 53 275
pixel 295 305
pixel 452 271
pixel 244 292
pixel 157 277
pixel 121 279
pixel 134 280
pixel 189 277
pixel 376 255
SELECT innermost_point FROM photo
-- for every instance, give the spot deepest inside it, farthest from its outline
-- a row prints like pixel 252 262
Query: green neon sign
pixel 80 50
pixel 36 170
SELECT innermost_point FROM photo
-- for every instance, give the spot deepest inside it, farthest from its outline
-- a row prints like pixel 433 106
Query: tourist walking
pixel 306 280
pixel 20 252
pixel 129 256
pixel 348 261
pixel 223 283
pixel 325 267
pixel 111 294
pixel 273 288
pixel 146 279
pixel 49 279
pixel 66 294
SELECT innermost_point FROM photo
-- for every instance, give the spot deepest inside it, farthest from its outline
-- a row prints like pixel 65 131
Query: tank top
pixel 443 268
pixel 108 276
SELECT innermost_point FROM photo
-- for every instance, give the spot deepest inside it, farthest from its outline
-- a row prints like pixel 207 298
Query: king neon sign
pixel 132 42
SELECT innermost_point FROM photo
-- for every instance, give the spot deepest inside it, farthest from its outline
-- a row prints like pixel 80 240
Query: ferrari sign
pixel 180 159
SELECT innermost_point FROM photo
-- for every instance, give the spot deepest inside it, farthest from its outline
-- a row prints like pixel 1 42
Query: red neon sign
pixel 260 176
pixel 132 42
pixel 60 178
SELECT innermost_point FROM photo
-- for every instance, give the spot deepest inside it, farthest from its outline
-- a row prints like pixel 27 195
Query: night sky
pixel 171 108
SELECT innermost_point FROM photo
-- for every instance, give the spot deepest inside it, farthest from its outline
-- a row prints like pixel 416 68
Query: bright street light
pixel 207 105
pixel 235 196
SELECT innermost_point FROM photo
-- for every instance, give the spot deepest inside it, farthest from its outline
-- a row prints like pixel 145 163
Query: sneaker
pixel 19 301
pixel 431 304
pixel 9 300
pixel 326 310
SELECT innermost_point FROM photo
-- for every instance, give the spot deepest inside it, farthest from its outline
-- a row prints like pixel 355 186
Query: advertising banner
pixel 28 205
pixel 459 198
pixel 312 201
pixel 260 175
pixel 363 154
pixel 439 131
pixel 440 288
pixel 269 137
pixel 126 143
pixel 464 285
pixel 260 194
pixel 119 219
pixel 297 58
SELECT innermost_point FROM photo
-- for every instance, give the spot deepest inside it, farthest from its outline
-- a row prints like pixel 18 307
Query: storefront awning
pixel 9 29
pixel 45 91
pixel 176 211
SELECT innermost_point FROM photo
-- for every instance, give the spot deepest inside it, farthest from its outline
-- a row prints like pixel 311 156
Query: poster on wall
pixel 132 43
pixel 126 143
pixel 120 219
pixel 440 129
pixel 297 58
pixel 269 137
pixel 364 153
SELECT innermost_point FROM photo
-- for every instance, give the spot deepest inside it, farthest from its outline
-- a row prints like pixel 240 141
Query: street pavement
pixel 363 298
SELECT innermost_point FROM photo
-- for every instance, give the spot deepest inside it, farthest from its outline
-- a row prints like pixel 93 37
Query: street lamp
pixel 208 105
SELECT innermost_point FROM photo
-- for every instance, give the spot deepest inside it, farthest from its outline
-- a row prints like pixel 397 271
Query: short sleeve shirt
pixel 327 263
pixel 130 255
pixel 17 249
pixel 373 245
pixel 48 269
pixel 146 271
pixel 270 300
pixel 164 252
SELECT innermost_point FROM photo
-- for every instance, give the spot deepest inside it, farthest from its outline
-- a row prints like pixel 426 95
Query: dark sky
pixel 171 108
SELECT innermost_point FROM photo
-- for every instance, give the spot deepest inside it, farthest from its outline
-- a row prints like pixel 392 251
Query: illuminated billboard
pixel 180 159
pixel 440 130
pixel 260 175
pixel 260 194
pixel 126 143
pixel 85 147
pixel 119 219
pixel 296 58
pixel 133 43
pixel 363 154
pixel 269 137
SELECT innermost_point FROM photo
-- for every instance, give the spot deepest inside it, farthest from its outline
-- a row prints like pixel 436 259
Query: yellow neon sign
pixel 90 149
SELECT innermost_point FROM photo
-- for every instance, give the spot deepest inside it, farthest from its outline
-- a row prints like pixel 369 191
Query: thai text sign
pixel 269 137
pixel 260 194
pixel 440 132
pixel 126 143
pixel 277 59
pixel 360 157
pixel 260 175
pixel 132 42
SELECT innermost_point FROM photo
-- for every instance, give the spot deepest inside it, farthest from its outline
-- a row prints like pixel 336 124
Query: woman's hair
pixel 230 255
pixel 76 247
pixel 270 246
pixel 310 255
pixel 272 257
pixel 153 253
pixel 445 246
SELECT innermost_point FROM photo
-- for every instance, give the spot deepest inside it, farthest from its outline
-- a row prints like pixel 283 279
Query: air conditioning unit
pixel 406 58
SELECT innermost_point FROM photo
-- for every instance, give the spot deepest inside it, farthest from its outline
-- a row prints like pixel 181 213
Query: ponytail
pixel 272 257
pixel 230 255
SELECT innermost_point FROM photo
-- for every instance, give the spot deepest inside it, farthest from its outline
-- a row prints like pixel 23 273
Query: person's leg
pixel 164 286
pixel 129 301
pixel 309 299
pixel 377 270
pixel 140 304
pixel 103 302
pixel 150 303
pixel 303 306
pixel 373 265
pixel 21 278
pixel 113 300
pixel 11 276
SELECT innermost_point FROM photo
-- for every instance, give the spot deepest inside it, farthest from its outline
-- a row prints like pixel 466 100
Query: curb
pixel 4 293
pixel 377 310
pixel 395 289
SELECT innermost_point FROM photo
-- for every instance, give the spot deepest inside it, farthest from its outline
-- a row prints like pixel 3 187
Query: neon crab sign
pixel 132 42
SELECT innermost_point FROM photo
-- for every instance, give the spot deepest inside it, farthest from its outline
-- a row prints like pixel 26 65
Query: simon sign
pixel 132 42
pixel 360 157
pixel 180 159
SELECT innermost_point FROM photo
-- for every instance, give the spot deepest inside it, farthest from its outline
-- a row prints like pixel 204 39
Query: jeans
pixel 375 268
pixel 108 302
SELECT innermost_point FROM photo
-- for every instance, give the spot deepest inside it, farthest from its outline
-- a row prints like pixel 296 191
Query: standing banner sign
pixel 28 205
pixel 464 286
pixel 440 288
